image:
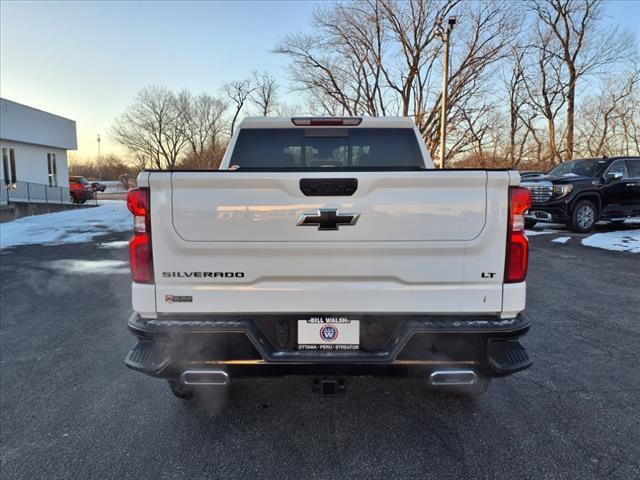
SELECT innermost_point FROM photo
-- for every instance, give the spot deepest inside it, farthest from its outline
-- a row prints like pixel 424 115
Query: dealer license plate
pixel 328 333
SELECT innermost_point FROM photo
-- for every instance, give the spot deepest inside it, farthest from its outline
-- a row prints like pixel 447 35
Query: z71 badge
pixel 178 299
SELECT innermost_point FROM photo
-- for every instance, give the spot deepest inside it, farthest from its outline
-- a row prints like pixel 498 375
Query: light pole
pixel 98 159
pixel 444 34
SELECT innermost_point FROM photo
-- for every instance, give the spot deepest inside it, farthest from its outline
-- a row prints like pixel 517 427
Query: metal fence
pixel 34 193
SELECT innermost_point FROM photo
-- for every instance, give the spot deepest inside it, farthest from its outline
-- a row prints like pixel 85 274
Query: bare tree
pixel 139 160
pixel 209 159
pixel 239 93
pixel 521 115
pixel 483 43
pixel 383 57
pixel 288 109
pixel 628 110
pixel 583 46
pixel 205 126
pixel 349 62
pixel 111 167
pixel 481 129
pixel 378 57
pixel 154 127
pixel 545 85
pixel 603 125
pixel 265 93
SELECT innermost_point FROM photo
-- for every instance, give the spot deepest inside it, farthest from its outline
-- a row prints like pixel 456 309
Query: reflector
pixel 141 258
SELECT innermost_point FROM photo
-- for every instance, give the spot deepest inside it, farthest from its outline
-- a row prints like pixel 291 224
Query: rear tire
pixel 180 391
pixel 583 217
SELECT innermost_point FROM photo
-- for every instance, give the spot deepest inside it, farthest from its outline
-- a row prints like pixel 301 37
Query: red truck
pixel 80 189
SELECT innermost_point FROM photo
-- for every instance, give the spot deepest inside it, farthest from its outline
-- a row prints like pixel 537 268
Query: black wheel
pixel 180 391
pixel 529 223
pixel 583 217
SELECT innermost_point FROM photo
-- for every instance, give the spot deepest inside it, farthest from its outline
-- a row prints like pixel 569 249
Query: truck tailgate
pixel 428 241
pixel 399 206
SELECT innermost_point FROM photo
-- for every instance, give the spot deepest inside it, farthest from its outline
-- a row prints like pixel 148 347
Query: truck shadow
pixel 367 424
pixel 266 400
pixel 364 393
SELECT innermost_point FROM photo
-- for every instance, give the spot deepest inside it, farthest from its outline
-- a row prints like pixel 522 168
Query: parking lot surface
pixel 70 408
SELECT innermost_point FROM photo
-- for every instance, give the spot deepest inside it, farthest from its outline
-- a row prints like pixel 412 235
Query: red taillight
pixel 138 201
pixel 517 258
pixel 140 252
pixel 326 122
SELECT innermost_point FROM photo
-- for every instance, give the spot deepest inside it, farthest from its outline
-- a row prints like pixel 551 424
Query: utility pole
pixel 444 34
pixel 98 159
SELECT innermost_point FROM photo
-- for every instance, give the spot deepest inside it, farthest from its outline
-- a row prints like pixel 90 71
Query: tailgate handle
pixel 328 187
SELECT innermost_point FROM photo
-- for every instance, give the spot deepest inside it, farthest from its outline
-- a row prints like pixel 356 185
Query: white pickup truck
pixel 328 247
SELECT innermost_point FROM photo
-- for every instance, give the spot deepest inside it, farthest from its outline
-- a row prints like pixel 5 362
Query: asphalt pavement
pixel 71 410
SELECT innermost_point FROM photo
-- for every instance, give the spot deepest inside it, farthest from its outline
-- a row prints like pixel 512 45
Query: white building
pixel 34 148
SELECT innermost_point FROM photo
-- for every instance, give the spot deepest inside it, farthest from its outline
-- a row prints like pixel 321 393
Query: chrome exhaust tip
pixel 453 377
pixel 204 377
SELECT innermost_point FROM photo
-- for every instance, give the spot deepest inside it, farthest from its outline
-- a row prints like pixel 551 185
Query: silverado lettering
pixel 203 274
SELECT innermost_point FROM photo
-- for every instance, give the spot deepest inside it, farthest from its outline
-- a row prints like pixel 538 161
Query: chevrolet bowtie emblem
pixel 327 219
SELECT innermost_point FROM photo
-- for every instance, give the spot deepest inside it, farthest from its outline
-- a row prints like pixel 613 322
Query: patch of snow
pixel 621 241
pixel 116 244
pixel 533 233
pixel 101 267
pixel 561 240
pixel 70 226
pixel 632 221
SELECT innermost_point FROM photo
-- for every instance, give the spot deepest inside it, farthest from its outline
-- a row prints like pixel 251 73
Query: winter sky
pixel 87 60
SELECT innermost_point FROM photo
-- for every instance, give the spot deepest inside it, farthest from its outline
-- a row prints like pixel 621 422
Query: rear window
pixel 339 148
